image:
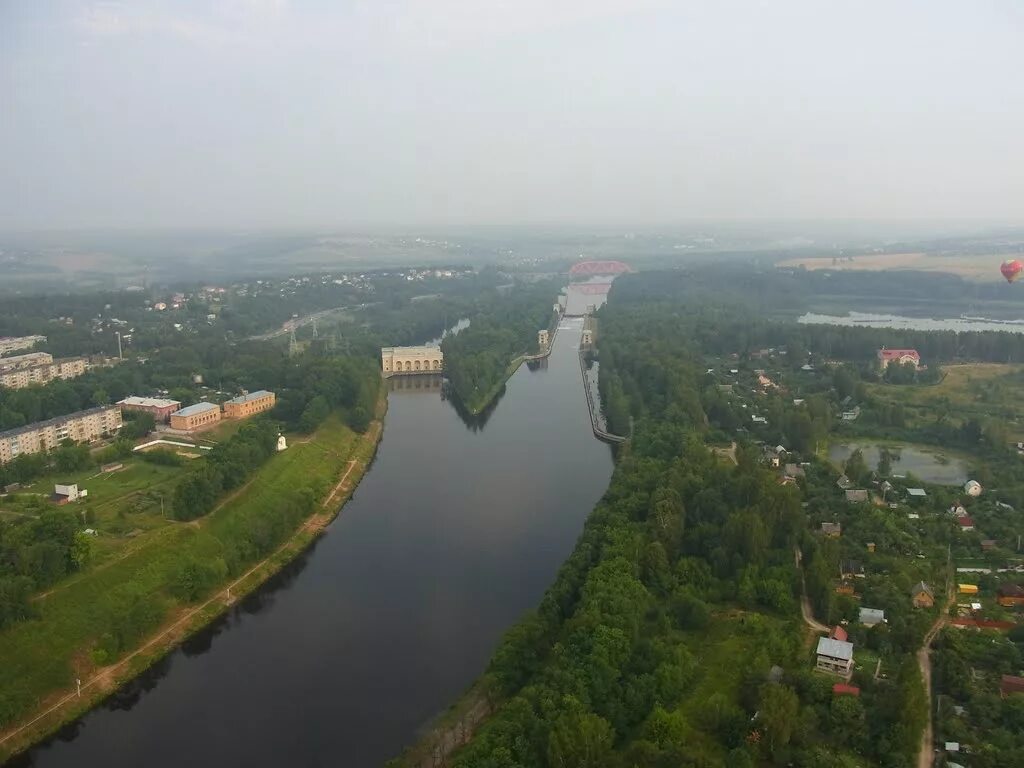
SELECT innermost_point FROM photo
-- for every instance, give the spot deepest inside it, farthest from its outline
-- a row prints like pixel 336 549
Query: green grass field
pixel 40 656
pixel 980 390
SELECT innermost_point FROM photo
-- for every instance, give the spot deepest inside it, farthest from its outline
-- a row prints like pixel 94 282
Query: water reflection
pixel 416 382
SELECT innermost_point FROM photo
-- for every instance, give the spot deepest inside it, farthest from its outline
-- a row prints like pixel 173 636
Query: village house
pixel 856 496
pixel 831 530
pixel 845 689
pixel 834 657
pixel 887 357
pixel 850 569
pixel 869 617
pixel 965 523
pixel 1011 684
pixel 922 595
pixel 1010 595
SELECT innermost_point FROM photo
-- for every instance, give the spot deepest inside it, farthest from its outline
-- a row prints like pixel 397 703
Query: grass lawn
pixel 42 655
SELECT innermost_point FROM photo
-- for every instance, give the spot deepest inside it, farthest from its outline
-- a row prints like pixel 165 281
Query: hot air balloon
pixel 1012 269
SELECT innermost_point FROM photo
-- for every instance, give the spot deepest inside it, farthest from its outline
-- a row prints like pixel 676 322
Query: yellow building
pixel 197 415
pixel 249 404
pixel 968 589
pixel 82 427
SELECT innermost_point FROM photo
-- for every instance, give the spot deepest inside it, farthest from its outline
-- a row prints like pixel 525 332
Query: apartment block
pixel 82 427
pixel 28 360
pixel 41 373
pixel 10 344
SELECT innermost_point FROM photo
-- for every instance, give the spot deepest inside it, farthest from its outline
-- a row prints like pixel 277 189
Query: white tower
pixel 282 444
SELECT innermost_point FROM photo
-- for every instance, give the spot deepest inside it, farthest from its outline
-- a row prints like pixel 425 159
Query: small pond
pixel 930 465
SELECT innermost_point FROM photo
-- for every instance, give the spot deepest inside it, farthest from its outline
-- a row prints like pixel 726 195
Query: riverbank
pixel 330 463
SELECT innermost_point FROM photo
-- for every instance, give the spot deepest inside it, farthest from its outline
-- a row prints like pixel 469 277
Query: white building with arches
pixel 410 360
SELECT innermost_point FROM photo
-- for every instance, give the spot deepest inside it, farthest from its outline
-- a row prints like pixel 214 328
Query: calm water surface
pixel 928 465
pixel 342 659
pixel 870 320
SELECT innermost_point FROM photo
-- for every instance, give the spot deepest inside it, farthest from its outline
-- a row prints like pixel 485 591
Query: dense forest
pixel 504 327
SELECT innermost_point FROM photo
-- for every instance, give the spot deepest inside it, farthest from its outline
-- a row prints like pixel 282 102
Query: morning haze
pixel 317 114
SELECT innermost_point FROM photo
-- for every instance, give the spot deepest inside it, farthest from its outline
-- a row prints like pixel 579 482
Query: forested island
pixel 502 331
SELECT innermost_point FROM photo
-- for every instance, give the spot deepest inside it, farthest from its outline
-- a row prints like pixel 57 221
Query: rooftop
pixel 836 649
pixel 192 410
pixel 896 354
pixel 148 402
pixel 258 394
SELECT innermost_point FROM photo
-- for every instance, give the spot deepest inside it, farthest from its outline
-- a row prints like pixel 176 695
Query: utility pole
pixel 316 334
pixel 293 345
pixel 120 356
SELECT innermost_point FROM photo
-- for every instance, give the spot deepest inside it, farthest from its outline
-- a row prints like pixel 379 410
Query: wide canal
pixel 343 658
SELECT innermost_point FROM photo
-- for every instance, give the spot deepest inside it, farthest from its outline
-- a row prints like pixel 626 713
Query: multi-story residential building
pixel 10 344
pixel 28 360
pixel 197 415
pixel 82 427
pixel 159 407
pixel 42 373
pixel 249 404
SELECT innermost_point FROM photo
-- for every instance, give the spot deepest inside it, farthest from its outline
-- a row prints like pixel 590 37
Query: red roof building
pixel 1011 684
pixel 844 689
pixel 838 633
pixel 898 356
pixel 965 523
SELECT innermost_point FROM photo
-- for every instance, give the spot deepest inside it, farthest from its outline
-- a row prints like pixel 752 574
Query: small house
pixel 795 470
pixel 843 482
pixel 1011 684
pixel 838 633
pixel 845 689
pixel 869 617
pixel 988 545
pixel 917 493
pixel 851 569
pixel 834 657
pixel 62 494
pixel 856 496
pixel 831 530
pixel 870 546
pixel 922 596
pixel 1010 595
pixel 845 588
pixel 966 524
pixel 968 589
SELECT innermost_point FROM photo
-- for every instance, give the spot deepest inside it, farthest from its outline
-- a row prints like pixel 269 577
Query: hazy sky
pixel 333 114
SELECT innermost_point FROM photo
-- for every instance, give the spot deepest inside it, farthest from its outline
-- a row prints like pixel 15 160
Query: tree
pixel 580 740
pixel 779 707
pixel 856 468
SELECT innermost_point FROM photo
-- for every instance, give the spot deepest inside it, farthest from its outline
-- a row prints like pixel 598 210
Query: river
pixel 343 658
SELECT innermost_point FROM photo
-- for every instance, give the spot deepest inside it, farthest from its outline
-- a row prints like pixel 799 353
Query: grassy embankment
pixel 40 659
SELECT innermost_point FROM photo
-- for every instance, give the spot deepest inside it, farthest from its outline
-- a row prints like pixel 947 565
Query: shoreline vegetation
pixel 344 456
pixel 480 359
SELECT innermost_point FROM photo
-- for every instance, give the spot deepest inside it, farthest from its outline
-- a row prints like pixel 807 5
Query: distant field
pixel 974 267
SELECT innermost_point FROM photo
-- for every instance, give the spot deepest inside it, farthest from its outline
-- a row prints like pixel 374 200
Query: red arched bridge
pixel 595 268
